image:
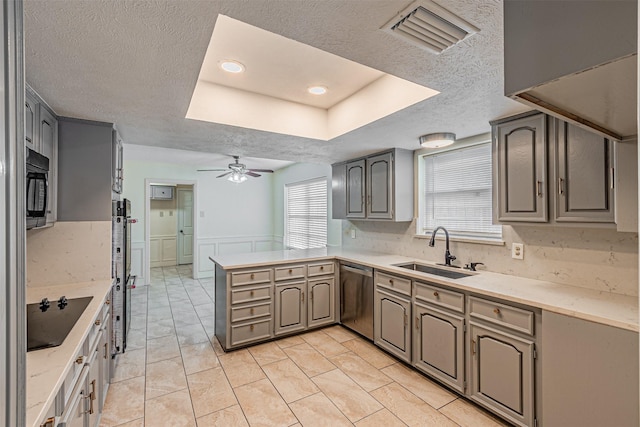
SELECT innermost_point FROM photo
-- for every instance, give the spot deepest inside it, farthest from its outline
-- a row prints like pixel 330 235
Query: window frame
pixel 286 209
pixel 469 236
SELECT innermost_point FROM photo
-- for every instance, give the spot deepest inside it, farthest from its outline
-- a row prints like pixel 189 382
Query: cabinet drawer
pixel 255 293
pixel 398 284
pixel 250 277
pixel 501 314
pixel 70 380
pixel 290 272
pixel 248 332
pixel 320 269
pixel 248 312
pixel 438 296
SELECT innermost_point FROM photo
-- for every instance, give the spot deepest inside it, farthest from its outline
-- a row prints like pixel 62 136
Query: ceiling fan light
pixel 437 140
pixel 237 177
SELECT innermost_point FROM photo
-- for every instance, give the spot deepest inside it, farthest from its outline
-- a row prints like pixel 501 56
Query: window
pixel 456 193
pixel 306 214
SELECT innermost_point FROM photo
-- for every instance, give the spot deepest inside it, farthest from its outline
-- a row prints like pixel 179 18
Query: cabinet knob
pixel 79 360
pixel 322 267
pixel 251 327
pixel 50 422
pixel 496 311
pixel 436 294
pixel 97 322
pixel 290 271
pixel 253 276
pixel 252 311
pixel 107 302
pixel 391 282
pixel 251 293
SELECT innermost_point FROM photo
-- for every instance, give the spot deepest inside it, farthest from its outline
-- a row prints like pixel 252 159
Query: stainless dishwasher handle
pixel 367 273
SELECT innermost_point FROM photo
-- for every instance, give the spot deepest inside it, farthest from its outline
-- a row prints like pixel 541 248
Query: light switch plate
pixel 517 251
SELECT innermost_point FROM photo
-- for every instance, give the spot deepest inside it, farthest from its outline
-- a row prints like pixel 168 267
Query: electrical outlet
pixel 517 251
pixel 170 213
pixel 353 234
pixel 161 214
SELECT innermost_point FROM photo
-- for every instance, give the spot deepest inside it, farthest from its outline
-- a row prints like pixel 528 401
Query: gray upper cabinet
pixel 48 136
pixel 520 153
pixel 550 171
pixel 584 175
pixel 377 187
pixel 355 189
pixel 117 159
pixel 30 121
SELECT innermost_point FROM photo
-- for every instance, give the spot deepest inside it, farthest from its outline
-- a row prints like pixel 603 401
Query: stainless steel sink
pixel 434 270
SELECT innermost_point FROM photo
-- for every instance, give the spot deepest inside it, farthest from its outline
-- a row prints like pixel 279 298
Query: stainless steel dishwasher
pixel 356 298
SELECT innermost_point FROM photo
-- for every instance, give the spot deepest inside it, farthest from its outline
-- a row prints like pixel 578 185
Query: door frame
pixel 179 215
pixel 147 221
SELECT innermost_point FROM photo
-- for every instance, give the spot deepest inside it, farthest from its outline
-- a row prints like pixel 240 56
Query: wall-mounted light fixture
pixel 437 140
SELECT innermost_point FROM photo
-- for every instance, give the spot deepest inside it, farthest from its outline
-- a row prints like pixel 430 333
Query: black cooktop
pixel 50 328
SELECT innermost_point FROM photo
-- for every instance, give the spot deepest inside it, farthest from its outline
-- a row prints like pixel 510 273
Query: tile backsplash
pixel 600 259
pixel 69 252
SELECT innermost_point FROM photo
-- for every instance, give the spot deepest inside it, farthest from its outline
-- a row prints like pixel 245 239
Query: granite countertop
pixel 612 309
pixel 47 368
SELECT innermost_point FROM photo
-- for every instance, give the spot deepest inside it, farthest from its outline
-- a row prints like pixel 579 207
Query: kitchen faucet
pixel 447 255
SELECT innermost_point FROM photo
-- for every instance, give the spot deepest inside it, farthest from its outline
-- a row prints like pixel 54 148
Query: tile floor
pixel 174 373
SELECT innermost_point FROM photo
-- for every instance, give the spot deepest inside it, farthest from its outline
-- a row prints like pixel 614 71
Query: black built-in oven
pixel 37 188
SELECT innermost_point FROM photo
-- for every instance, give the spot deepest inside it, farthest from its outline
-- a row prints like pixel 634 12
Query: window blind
pixel 306 214
pixel 457 192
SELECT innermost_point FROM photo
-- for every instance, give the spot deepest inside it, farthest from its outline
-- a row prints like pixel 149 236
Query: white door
pixel 185 226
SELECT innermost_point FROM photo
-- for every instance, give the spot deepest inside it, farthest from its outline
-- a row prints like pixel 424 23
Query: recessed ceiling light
pixel 317 90
pixel 232 66
pixel 437 140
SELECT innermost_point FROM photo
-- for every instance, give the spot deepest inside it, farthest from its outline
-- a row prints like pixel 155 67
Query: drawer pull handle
pixel 50 422
pixel 105 351
pixel 253 276
pixel 417 322
pixel 539 187
pixel 251 293
pixel 251 327
pixel 302 297
pixel 91 397
pixel 252 311
pixel 79 360
pixel 97 322
pixel 107 302
pixel 406 320
pixel 436 294
pixel 473 347
pixel 496 311
pixel 290 271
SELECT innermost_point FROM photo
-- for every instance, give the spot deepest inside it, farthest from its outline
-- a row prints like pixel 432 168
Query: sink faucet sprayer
pixel 447 255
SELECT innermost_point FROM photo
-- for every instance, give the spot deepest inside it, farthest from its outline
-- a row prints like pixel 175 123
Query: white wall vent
pixel 430 26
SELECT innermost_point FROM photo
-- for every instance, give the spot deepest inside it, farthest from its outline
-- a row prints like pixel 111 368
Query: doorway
pixel 170 225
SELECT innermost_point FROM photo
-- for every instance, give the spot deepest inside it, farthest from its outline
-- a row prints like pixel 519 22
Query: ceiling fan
pixel 237 171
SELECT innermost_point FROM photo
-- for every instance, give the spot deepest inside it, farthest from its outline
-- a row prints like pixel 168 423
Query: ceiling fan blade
pixel 211 170
pixel 224 174
pixel 261 170
pixel 253 174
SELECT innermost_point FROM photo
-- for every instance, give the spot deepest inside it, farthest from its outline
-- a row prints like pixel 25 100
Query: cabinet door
pixel 321 307
pixel 117 161
pixel 74 414
pixel 93 385
pixel 438 345
pixel 521 157
pixel 48 132
pixel 391 328
pixel 584 175
pixel 339 191
pixel 502 375
pixel 380 186
pixel 291 308
pixel 355 189
pixel 104 360
pixel 30 122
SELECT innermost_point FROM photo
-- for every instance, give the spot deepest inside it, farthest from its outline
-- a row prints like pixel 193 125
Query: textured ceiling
pixel 135 63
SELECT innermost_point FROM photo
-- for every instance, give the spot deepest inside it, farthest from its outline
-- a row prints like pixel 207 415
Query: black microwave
pixel 37 188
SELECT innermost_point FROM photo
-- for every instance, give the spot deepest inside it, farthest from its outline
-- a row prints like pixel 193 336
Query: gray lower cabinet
pixel 438 344
pixel 291 307
pixel 391 323
pixel 584 175
pixel 321 301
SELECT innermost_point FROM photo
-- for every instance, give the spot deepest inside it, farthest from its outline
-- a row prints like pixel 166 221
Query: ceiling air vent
pixel 430 26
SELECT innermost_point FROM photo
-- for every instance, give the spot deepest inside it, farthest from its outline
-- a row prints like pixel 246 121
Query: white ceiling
pixel 136 63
